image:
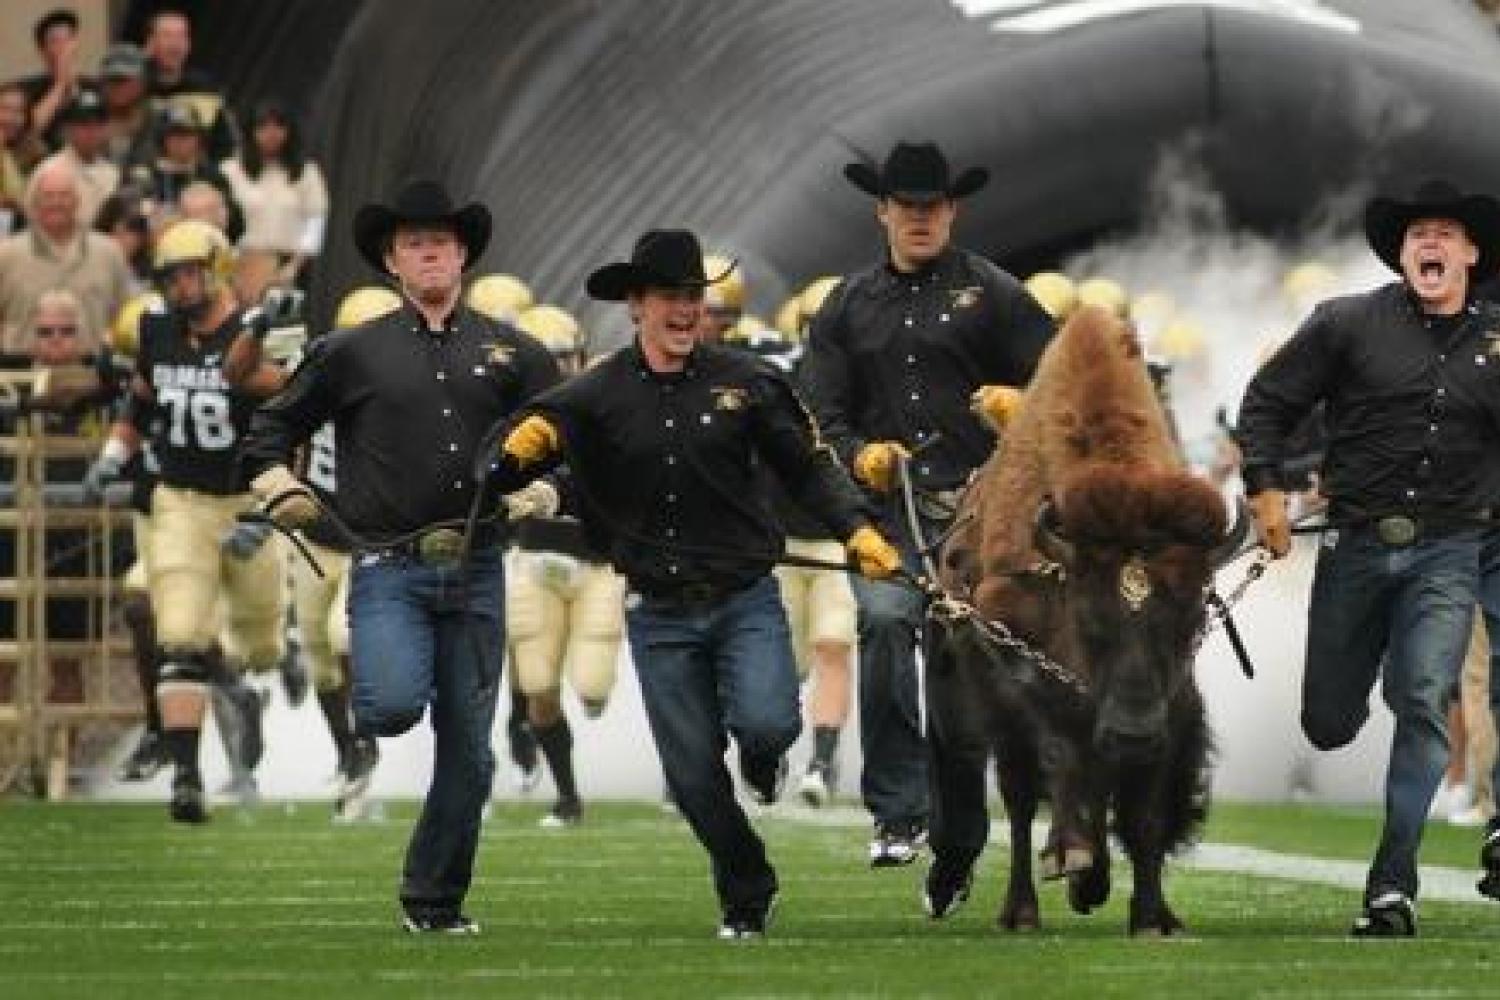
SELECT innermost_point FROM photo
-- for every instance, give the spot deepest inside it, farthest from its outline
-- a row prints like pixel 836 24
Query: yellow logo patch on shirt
pixel 729 397
pixel 964 298
pixel 1492 343
pixel 500 354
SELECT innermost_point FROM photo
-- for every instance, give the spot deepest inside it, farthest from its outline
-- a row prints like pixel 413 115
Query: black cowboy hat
pixel 1386 220
pixel 662 258
pixel 420 203
pixel 915 172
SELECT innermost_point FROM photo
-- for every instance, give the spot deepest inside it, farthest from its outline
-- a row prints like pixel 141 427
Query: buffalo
pixel 1078 575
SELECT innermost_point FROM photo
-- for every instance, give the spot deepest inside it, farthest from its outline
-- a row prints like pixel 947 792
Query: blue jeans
pixel 894 780
pixel 707 672
pixel 1403 614
pixel 420 634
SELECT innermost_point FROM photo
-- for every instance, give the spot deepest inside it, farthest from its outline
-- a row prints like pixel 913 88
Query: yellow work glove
pixel 285 498
pixel 876 558
pixel 1273 529
pixel 996 404
pixel 875 465
pixel 532 440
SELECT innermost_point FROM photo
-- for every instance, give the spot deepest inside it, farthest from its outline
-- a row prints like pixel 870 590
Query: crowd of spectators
pixel 95 161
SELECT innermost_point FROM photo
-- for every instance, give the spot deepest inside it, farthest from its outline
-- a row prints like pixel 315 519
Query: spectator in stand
pixel 180 161
pixel 170 80
pixel 16 130
pixel 122 80
pixel 58 251
pixel 281 193
pixel 85 131
pixel 56 332
pixel 120 218
pixel 49 92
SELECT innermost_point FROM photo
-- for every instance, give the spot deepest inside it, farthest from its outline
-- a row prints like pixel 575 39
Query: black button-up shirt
pixel 409 409
pixel 895 357
pixel 1413 405
pixel 664 464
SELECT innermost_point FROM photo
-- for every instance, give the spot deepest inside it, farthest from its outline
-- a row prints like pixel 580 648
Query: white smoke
pixel 1227 284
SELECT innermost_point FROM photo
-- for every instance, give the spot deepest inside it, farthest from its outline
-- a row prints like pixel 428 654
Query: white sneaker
pixel 814 787
pixel 1475 815
pixel 1449 799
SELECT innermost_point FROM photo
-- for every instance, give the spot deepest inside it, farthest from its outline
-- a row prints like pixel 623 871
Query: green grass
pixel 111 901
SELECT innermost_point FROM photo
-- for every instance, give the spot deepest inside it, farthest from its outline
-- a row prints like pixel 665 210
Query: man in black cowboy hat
pixel 1409 375
pixel 409 396
pixel 897 359
pixel 665 440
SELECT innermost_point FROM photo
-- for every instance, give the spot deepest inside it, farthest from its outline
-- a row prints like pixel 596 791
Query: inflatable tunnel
pixel 581 123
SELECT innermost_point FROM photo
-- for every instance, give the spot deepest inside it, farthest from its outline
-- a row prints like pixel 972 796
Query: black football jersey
pixel 199 422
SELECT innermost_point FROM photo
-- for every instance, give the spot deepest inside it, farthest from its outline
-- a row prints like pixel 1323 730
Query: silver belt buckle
pixel 1397 530
pixel 441 547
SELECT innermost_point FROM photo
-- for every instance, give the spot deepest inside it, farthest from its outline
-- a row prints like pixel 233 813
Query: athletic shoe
pixel 1390 914
pixel 564 813
pixel 148 757
pixel 896 844
pixel 945 891
pixel 1489 860
pixel 187 805
pixel 766 776
pixel 817 784
pixel 747 921
pixel 438 923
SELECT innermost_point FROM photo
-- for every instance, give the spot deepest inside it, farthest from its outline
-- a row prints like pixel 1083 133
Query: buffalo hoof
pixel 1020 917
pixel 1088 890
pixel 1161 922
pixel 1067 861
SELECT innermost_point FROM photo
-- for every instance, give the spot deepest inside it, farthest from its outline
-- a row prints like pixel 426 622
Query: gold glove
pixel 535 499
pixel 875 465
pixel 1272 528
pixel 876 558
pixel 531 441
pixel 285 498
pixel 996 405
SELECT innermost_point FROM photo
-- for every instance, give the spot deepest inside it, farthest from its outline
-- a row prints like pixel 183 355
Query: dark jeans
pixel 894 780
pixel 706 672
pixel 422 634
pixel 1403 615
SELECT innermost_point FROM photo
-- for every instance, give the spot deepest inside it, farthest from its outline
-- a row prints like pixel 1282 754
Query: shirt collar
pixel 645 371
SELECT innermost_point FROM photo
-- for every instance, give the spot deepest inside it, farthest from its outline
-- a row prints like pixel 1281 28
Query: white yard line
pixel 1439 884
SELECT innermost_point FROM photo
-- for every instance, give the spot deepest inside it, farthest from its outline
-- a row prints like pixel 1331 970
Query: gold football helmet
pixel 500 296
pixel 364 304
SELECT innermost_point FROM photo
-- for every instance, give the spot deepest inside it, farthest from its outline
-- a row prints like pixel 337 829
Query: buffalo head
pixel 1138 556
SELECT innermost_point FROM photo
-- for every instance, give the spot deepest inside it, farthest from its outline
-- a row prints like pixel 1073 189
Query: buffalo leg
pixel 1142 830
pixel 1019 773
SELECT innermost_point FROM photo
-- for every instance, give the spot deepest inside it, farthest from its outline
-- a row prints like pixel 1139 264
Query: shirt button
pixel 916 396
pixel 1432 428
pixel 1442 357
pixel 452 446
pixel 908 321
pixel 671 532
pixel 925 469
pixel 671 459
pixel 670 422
pixel 441 376
pixel 458 484
pixel 1411 494
pixel 447 412
pixel 911 359
pixel 943 318
pixel 671 498
pixel 916 288
pixel 672 569
pixel 1442 392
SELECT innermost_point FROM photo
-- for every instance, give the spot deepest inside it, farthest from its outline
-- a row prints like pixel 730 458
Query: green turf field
pixel 107 901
